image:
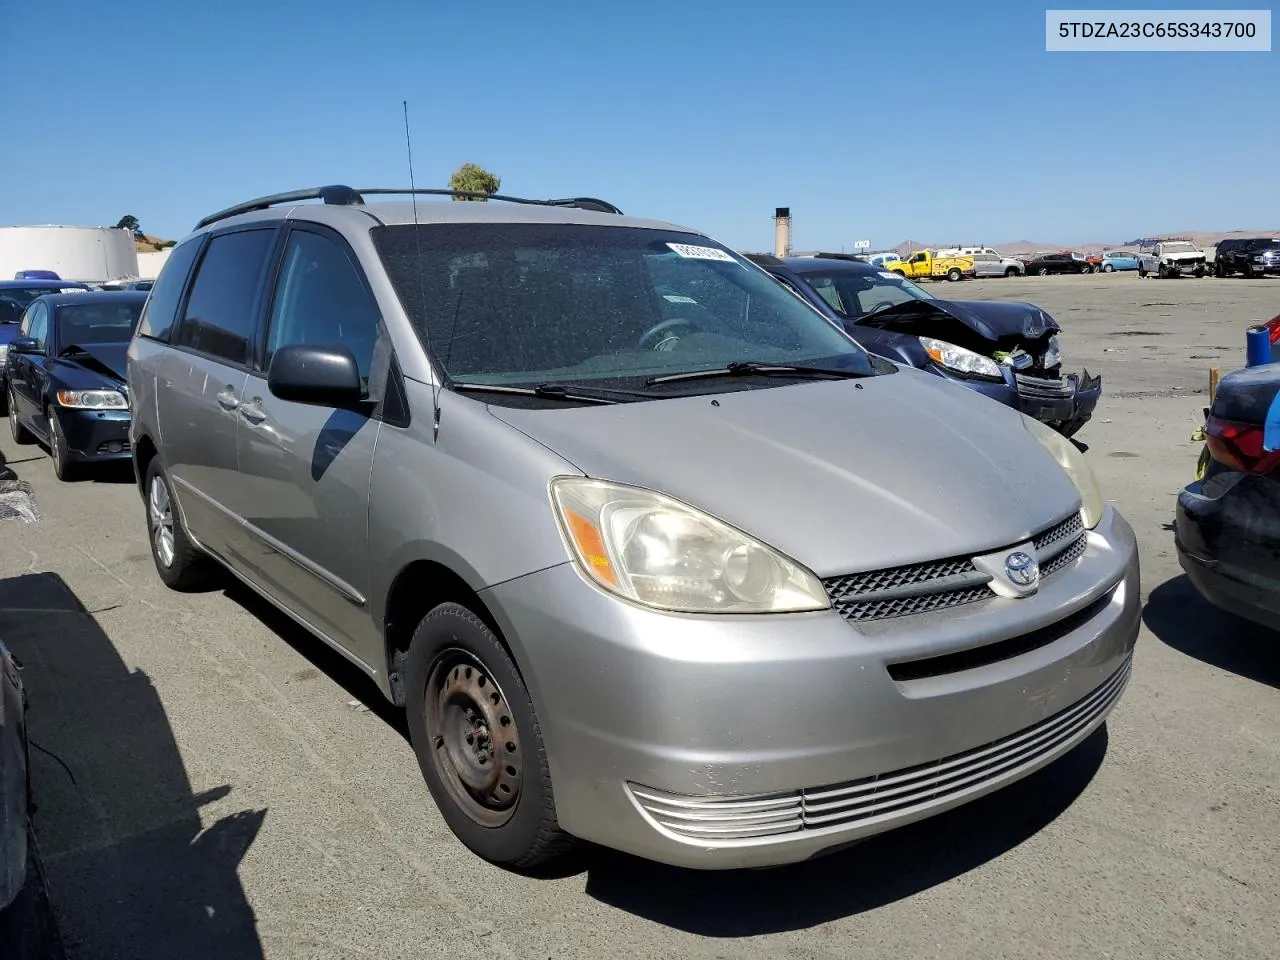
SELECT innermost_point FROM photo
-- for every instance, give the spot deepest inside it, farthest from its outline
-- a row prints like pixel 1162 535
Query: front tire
pixel 64 467
pixel 1043 271
pixel 1013 272
pixel 478 743
pixel 179 562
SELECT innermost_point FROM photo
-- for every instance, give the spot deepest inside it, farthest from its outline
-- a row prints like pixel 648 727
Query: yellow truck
pixel 926 265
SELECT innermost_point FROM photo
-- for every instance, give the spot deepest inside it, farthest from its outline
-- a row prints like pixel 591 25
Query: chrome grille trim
pixel 1043 388
pixel 940 584
pixel 877 799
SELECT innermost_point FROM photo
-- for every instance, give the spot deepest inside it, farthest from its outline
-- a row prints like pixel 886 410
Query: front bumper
pixel 1227 533
pixel 740 741
pixel 1185 269
pixel 1066 404
pixel 95 435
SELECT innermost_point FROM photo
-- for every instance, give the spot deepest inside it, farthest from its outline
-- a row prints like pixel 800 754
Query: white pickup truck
pixel 1170 257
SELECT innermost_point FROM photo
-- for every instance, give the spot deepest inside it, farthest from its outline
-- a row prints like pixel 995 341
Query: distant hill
pixel 146 244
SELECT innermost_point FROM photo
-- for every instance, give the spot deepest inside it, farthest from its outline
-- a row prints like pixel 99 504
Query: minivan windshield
pixel 557 303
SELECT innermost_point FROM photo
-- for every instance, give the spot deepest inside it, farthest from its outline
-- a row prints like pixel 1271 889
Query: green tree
pixel 474 179
pixel 130 222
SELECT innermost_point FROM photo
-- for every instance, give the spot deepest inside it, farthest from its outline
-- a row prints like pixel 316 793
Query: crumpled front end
pixel 1064 403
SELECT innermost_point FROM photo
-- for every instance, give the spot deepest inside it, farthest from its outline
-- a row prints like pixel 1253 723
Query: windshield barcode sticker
pixel 889 275
pixel 673 298
pixel 700 253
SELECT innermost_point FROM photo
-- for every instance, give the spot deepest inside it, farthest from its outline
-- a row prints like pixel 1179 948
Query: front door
pixel 306 468
pixel 23 372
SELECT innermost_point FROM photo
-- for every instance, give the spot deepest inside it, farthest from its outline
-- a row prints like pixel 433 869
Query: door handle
pixel 227 399
pixel 252 411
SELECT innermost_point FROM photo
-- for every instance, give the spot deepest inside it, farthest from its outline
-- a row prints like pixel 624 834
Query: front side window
pixel 37 324
pixel 219 319
pixel 856 294
pixel 321 300
pixel 528 303
pixel 161 310
pixel 83 324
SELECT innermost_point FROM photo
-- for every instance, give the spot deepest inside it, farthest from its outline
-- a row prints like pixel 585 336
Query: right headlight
pixel 959 359
pixel 656 551
pixel 1074 465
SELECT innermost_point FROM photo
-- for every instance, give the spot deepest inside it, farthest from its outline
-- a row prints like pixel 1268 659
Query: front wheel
pixel 1013 272
pixel 1043 271
pixel 1199 272
pixel 64 467
pixel 478 742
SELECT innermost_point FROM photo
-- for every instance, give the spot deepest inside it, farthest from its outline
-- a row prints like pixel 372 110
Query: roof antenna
pixel 422 284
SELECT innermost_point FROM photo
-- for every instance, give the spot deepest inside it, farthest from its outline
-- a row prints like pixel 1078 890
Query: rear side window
pixel 220 314
pixel 159 313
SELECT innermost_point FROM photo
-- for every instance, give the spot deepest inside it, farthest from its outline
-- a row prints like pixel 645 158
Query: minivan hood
pixel 842 476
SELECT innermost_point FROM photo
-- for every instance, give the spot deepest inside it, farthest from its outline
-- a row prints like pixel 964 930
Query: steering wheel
pixel 652 338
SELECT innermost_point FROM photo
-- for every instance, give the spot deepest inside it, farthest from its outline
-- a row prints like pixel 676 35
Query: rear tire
pixel 474 730
pixel 179 562
pixel 1108 268
pixel 954 274
pixel 21 435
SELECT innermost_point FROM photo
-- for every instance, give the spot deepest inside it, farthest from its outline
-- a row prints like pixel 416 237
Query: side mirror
pixel 25 345
pixel 325 376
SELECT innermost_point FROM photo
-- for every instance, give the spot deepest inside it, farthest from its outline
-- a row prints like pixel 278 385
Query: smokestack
pixel 782 232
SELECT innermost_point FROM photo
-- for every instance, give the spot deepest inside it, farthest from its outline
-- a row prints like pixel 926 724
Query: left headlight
pixel 93 399
pixel 1074 465
pixel 959 359
pixel 1052 354
pixel 656 551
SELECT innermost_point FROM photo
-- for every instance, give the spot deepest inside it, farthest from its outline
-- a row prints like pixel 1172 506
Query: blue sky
pixel 950 126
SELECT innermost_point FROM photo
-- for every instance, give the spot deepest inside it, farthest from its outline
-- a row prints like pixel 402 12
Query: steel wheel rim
pixel 475 746
pixel 13 416
pixel 160 515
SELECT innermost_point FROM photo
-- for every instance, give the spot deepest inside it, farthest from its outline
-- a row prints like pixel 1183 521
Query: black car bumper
pixel 1066 404
pixel 95 435
pixel 1227 532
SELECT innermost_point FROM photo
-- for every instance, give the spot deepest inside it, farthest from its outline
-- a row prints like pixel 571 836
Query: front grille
pixel 879 800
pixel 1065 531
pixel 1065 557
pixel 1042 388
pixel 940 584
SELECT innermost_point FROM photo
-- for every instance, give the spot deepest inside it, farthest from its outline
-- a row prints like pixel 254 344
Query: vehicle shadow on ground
pixel 1180 617
pixel 131 869
pixel 872 874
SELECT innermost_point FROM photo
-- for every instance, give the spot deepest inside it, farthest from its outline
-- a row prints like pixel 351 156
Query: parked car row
pixel 509 458
pixel 1160 257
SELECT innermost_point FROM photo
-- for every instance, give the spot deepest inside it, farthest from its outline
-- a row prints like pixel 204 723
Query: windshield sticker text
pixel 700 253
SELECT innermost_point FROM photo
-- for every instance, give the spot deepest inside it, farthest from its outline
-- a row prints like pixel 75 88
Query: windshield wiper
pixel 551 391
pixel 750 368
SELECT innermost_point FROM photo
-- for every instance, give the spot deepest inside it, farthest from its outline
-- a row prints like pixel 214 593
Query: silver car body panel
pixel 661 729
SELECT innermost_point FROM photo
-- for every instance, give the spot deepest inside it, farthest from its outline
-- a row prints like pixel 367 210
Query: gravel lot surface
pixel 211 782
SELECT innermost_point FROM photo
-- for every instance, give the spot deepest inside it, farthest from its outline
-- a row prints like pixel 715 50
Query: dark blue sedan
pixel 15 297
pixel 66 373
pixel 1004 349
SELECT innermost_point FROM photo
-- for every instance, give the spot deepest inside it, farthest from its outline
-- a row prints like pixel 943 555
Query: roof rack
pixel 339 195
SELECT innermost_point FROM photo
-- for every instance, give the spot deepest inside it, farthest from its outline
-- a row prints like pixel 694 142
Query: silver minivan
pixel 652 553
